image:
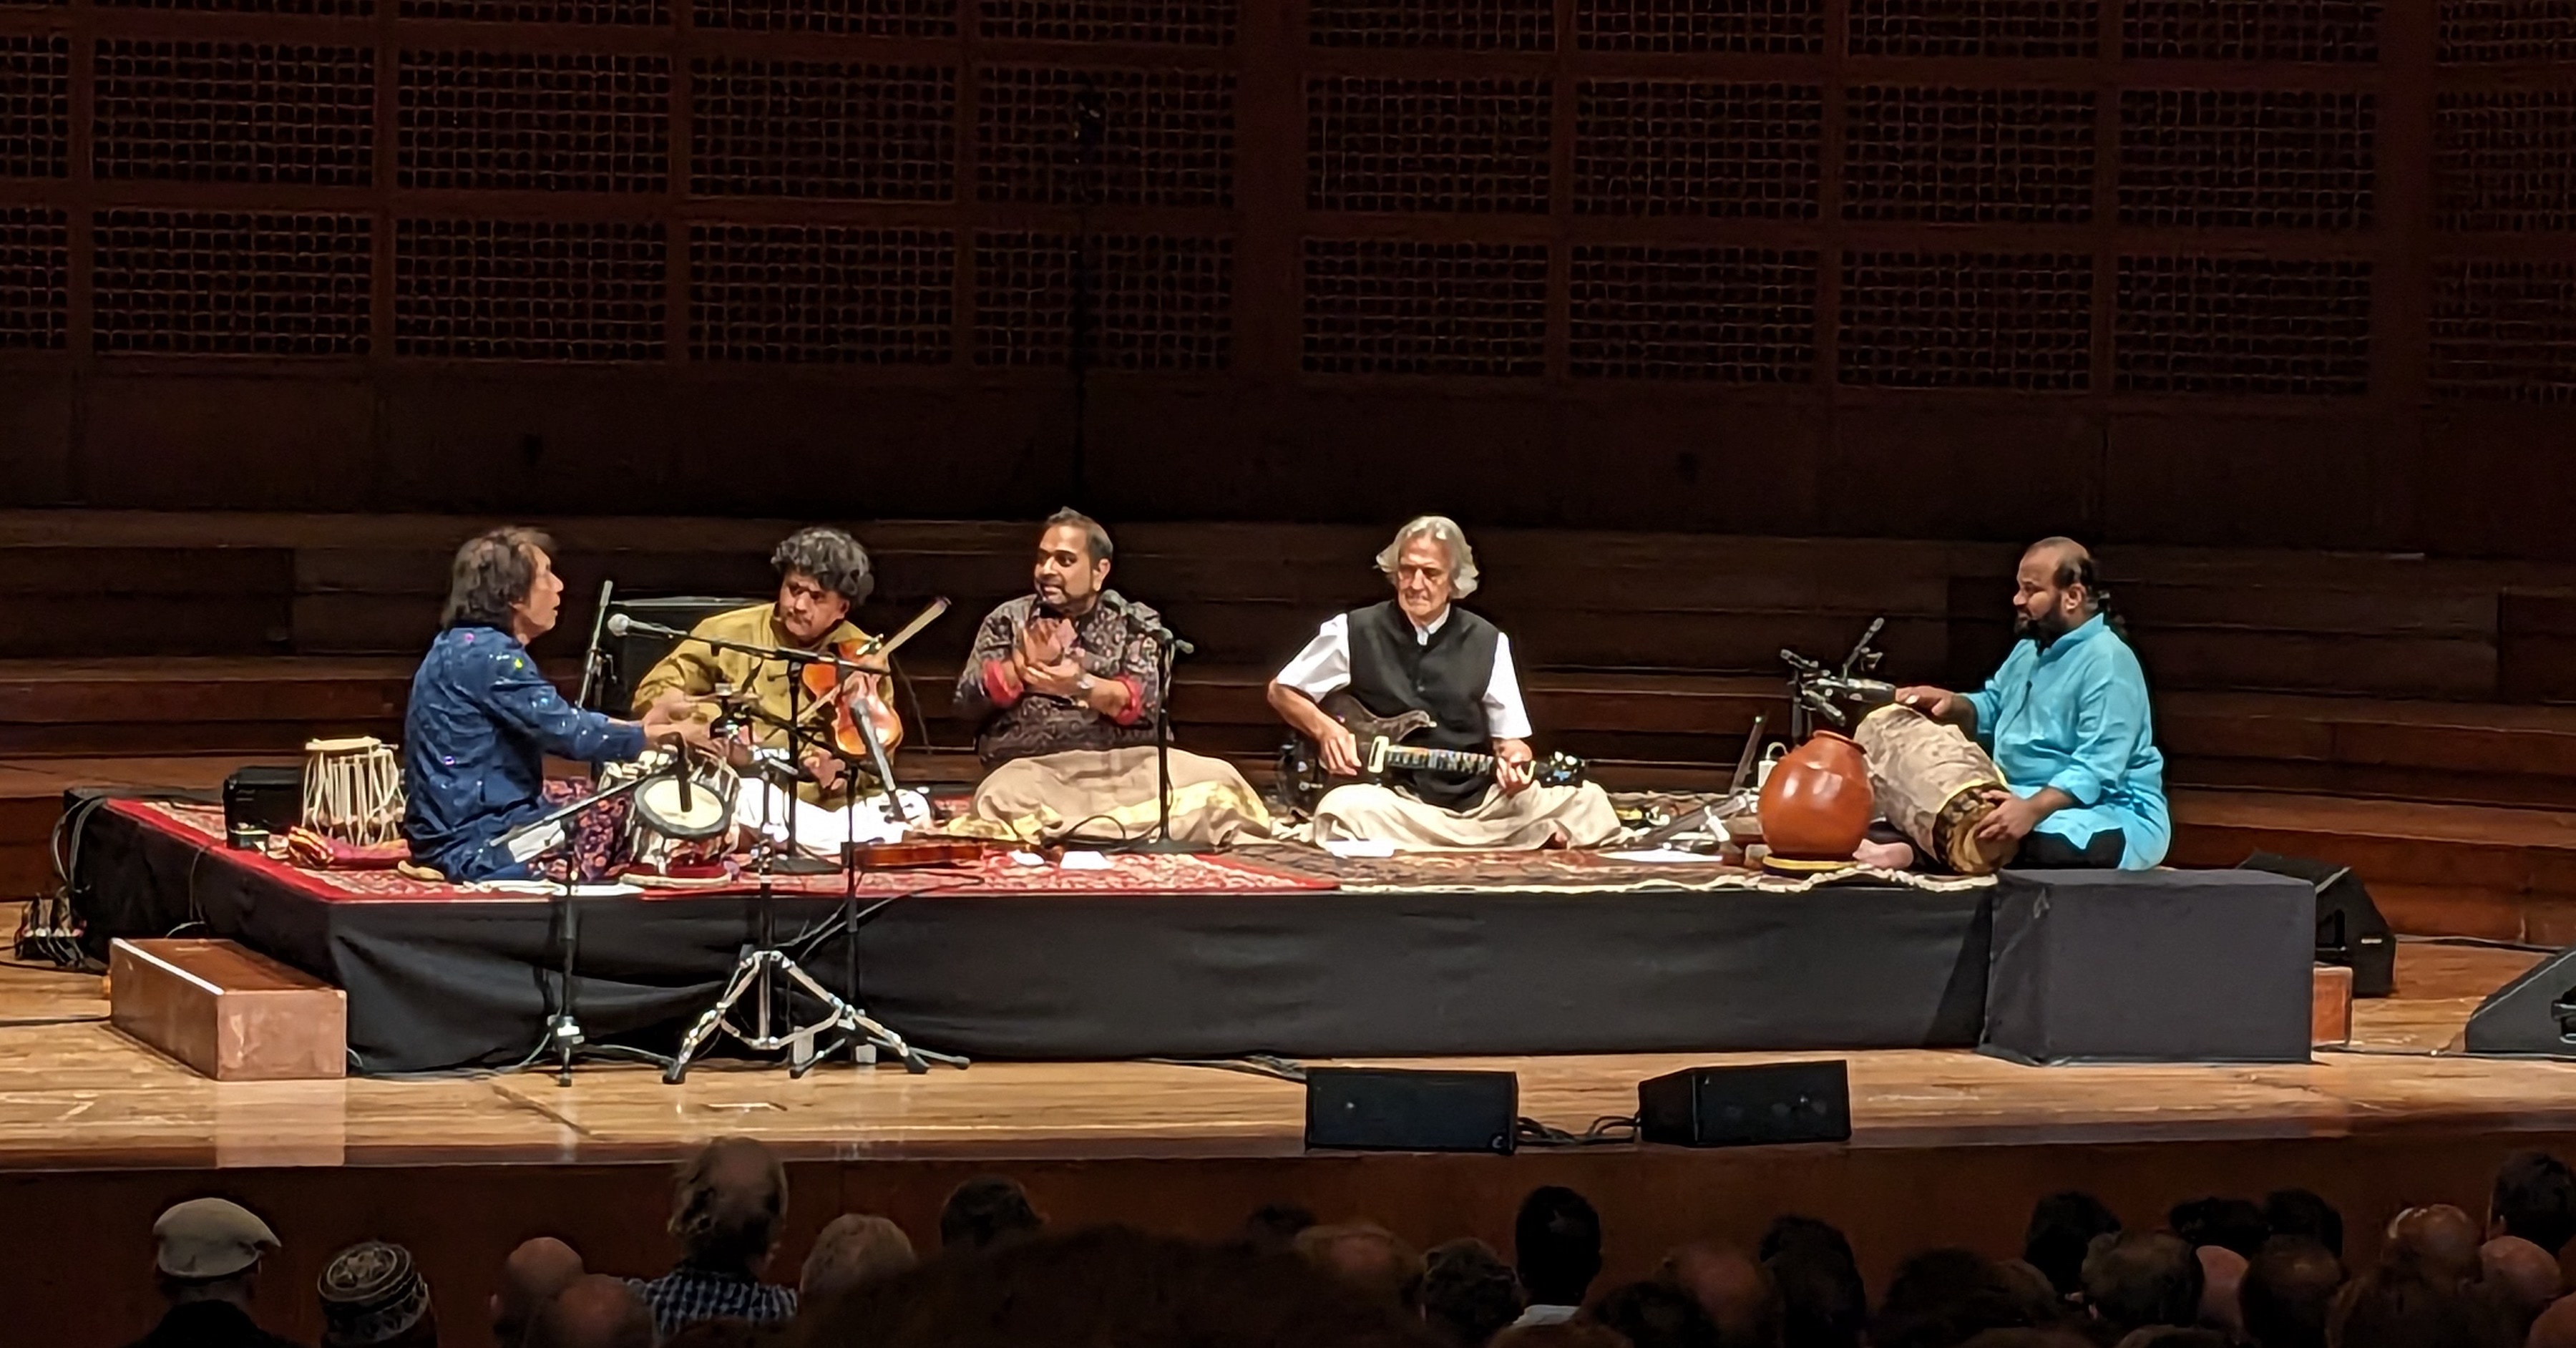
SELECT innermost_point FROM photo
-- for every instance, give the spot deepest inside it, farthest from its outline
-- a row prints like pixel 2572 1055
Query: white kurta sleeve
pixel 1504 713
pixel 1324 667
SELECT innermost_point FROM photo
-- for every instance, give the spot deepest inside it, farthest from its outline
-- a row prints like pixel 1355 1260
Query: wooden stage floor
pixel 76 1094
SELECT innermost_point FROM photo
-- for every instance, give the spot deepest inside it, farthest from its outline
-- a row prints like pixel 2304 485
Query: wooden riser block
pixel 2330 1006
pixel 230 1013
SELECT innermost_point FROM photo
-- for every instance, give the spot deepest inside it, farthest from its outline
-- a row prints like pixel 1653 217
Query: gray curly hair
pixel 834 559
pixel 1442 530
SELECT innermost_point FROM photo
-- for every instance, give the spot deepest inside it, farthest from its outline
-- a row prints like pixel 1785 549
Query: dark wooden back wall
pixel 2173 271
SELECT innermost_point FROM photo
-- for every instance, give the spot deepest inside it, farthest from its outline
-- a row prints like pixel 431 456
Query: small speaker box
pixel 1747 1106
pixel 267 799
pixel 1389 1109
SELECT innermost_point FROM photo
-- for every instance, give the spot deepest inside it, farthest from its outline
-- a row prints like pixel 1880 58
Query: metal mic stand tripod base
pixel 763 963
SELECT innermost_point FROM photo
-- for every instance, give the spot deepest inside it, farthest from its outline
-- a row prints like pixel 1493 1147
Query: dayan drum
pixel 673 837
pixel 353 791
pixel 1930 781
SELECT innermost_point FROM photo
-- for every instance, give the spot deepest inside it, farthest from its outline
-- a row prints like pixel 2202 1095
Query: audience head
pixel 985 1212
pixel 2173 1336
pixel 723 1331
pixel 1112 1285
pixel 2222 1281
pixel 532 1276
pixel 2228 1223
pixel 727 1204
pixel 1556 1246
pixel 1564 1334
pixel 2534 1198
pixel 2556 1327
pixel 853 1250
pixel 2438 1242
pixel 2398 1306
pixel 371 1296
pixel 2289 1286
pixel 2521 1274
pixel 2297 1212
pixel 1274 1226
pixel 1368 1257
pixel 2028 1338
pixel 1823 1303
pixel 593 1311
pixel 2062 1228
pixel 2032 1292
pixel 1944 1297
pixel 1653 1315
pixel 1468 1293
pixel 2142 1278
pixel 1742 1297
pixel 208 1249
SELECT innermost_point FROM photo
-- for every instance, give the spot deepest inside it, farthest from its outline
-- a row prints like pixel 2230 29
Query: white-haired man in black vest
pixel 1420 652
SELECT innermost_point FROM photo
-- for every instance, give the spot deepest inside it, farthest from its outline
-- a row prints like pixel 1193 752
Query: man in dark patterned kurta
pixel 1064 686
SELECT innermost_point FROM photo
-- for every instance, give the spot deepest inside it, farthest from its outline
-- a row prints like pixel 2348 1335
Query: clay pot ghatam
pixel 1817 806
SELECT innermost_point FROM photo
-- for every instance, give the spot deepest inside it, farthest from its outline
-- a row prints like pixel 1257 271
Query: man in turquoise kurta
pixel 2066 720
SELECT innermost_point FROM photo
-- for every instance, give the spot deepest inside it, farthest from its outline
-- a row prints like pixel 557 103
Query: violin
pixel 841 688
pixel 915 852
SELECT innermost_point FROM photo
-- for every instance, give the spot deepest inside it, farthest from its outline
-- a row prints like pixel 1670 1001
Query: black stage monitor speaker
pixel 1747 1106
pixel 2350 931
pixel 632 655
pixel 268 799
pixel 2533 1016
pixel 1389 1109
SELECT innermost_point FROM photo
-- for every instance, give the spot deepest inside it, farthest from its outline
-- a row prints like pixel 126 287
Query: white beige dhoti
pixel 1540 816
pixel 1105 795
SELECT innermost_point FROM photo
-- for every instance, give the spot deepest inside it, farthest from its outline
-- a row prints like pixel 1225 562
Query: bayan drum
pixel 675 834
pixel 1931 783
pixel 353 790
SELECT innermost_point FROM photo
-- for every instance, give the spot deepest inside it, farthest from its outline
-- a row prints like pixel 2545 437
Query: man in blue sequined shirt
pixel 483 717
pixel 2066 718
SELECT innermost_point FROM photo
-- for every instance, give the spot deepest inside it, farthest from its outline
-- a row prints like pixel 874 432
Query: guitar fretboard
pixel 1437 760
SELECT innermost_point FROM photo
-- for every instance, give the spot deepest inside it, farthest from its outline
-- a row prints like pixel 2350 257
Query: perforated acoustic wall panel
pixel 1109 243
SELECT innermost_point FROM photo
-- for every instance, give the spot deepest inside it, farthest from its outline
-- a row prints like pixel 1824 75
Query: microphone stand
pixel 1168 648
pixel 534 841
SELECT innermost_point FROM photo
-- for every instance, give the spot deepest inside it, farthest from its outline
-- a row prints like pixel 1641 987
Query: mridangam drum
pixel 673 837
pixel 1930 781
pixel 353 790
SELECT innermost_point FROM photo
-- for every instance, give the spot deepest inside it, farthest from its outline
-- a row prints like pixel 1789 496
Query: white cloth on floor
pixel 759 806
pixel 1539 816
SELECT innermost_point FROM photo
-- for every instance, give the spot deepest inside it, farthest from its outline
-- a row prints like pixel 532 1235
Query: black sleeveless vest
pixel 1391 673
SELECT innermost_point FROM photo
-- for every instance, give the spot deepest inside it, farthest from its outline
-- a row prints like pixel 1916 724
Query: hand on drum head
pixel 823 768
pixel 2012 820
pixel 1933 702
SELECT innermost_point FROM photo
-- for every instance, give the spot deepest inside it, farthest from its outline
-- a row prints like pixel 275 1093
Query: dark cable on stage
pixel 1251 1064
pixel 1609 1130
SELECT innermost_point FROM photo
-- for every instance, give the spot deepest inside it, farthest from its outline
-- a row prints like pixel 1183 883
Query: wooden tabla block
pixel 2330 1005
pixel 230 1013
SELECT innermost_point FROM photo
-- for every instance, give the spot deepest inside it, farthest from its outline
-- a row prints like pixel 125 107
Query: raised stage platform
pixel 1273 950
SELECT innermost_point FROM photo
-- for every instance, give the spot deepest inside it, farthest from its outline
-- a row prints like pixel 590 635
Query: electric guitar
pixel 1377 741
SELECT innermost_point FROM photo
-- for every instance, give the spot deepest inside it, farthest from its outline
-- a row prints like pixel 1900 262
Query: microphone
pixel 619 625
pixel 1152 627
pixel 680 768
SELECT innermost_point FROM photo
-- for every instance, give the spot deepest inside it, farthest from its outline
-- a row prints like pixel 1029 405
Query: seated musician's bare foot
pixel 1885 856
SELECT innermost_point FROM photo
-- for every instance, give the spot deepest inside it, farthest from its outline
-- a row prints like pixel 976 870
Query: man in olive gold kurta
pixel 822 575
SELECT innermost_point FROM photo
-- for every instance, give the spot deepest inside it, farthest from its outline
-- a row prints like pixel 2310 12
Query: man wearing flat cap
pixel 207 1253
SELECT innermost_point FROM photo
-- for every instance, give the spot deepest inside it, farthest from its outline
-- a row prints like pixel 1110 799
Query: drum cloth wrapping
pixel 1930 782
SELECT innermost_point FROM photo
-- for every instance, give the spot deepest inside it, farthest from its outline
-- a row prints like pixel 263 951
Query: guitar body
pixel 1379 743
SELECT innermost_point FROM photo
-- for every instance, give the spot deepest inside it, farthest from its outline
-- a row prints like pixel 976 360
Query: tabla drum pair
pixel 1931 781
pixel 670 838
